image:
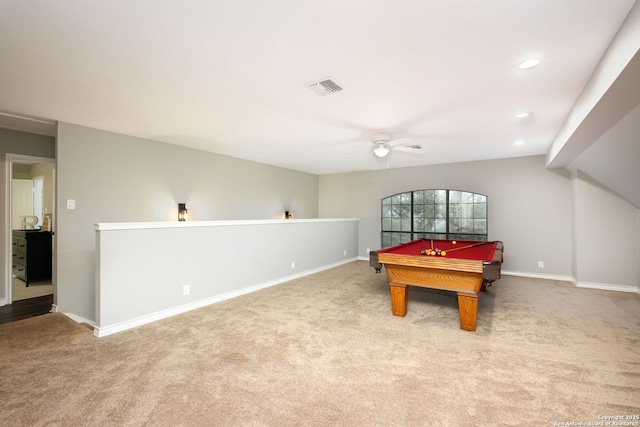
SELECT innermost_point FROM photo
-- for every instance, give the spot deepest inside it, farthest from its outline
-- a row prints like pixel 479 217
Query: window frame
pixel 398 220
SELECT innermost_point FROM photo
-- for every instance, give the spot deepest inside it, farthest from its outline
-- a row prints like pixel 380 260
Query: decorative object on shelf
pixel 288 215
pixel 28 222
pixel 47 223
pixel 182 212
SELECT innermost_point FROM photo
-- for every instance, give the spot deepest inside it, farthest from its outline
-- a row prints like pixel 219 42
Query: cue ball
pixel 454 242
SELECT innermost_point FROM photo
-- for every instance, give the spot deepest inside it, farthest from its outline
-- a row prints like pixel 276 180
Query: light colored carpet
pixel 324 350
pixel 20 291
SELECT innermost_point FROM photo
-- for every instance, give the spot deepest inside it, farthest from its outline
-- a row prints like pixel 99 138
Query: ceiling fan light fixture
pixel 381 150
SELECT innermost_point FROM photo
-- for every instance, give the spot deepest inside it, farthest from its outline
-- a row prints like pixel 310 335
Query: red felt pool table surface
pixel 462 249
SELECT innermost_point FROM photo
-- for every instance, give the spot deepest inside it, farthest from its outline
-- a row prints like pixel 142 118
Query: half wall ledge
pixel 104 226
pixel 149 271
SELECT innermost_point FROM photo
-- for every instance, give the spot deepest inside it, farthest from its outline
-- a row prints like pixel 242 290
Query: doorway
pixel 37 175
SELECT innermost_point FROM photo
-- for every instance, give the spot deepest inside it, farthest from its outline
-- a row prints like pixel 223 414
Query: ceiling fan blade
pixel 413 149
pixel 399 142
pixel 353 147
pixel 357 152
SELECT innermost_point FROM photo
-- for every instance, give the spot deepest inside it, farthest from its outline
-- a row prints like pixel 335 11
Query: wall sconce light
pixel 182 212
pixel 288 215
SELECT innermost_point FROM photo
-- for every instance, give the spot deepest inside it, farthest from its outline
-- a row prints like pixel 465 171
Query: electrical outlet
pixel 368 250
pixel 293 265
pixel 345 252
pixel 186 290
pixel 71 204
pixel 540 264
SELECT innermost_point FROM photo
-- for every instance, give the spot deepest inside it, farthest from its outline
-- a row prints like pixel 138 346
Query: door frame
pixel 8 226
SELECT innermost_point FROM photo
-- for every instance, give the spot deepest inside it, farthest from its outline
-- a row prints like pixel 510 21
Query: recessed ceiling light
pixel 522 115
pixel 518 143
pixel 529 63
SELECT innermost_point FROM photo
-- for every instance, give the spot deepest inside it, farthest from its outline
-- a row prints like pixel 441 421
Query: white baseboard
pixel 601 286
pixel 153 317
pixel 607 287
pixel 3 302
pixel 538 276
pixel 521 274
pixel 78 319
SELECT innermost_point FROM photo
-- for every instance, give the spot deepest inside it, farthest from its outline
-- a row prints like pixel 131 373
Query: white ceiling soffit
pixel 612 91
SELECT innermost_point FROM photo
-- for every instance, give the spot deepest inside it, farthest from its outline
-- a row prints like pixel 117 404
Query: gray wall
pixel 142 271
pixel 613 159
pixel 13 142
pixel 606 236
pixel 539 214
pixel 118 178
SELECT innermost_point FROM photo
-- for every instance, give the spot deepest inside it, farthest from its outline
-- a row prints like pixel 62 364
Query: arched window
pixel 433 214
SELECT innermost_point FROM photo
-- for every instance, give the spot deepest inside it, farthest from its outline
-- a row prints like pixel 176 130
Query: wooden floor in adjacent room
pixel 24 309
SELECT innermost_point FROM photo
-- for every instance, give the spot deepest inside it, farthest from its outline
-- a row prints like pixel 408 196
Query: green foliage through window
pixel 433 214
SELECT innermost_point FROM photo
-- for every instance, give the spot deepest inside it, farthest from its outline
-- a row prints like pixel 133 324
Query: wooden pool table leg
pixel 468 306
pixel 399 295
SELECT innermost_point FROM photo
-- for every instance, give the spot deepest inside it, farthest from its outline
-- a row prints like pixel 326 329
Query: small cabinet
pixel 32 255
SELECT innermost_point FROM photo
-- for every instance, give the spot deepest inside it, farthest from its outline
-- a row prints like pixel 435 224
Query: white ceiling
pixel 229 76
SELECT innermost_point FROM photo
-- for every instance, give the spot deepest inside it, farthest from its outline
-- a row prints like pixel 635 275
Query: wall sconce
pixel 182 212
pixel 288 215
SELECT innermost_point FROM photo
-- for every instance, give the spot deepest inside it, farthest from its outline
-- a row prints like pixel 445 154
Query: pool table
pixel 463 266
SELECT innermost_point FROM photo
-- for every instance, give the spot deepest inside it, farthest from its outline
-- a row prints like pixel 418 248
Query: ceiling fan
pixel 383 145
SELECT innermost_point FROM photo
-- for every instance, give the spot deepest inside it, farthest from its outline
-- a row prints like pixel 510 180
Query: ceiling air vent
pixel 324 87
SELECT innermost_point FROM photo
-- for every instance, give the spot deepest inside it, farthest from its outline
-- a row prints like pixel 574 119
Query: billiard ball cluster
pixel 436 251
